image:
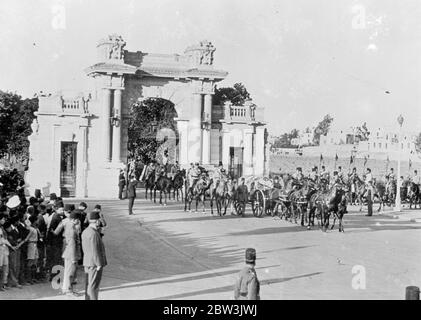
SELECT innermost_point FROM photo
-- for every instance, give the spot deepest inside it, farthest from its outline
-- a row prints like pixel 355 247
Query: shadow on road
pixel 231 287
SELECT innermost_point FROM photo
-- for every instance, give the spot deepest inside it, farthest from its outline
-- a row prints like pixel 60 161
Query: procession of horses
pixel 301 202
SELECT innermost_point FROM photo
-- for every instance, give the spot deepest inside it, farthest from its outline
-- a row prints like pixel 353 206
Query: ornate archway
pixel 187 80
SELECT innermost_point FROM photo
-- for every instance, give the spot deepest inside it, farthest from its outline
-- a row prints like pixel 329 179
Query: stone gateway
pixel 79 144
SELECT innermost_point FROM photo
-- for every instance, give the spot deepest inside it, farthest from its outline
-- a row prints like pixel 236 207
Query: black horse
pixel 414 195
pixel 177 184
pixel 163 185
pixel 323 203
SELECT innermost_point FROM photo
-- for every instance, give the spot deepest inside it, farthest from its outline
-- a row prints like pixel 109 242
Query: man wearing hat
pixel 54 242
pixel 298 178
pixel 194 175
pixel 94 259
pixel 247 286
pixel 72 251
pixel 83 215
pixel 131 192
pixel 13 202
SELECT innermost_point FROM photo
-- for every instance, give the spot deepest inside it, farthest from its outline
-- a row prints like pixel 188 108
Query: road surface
pixel 166 253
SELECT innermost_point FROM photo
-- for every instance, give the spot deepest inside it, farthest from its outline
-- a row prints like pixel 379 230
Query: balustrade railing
pixel 78 105
pixel 245 113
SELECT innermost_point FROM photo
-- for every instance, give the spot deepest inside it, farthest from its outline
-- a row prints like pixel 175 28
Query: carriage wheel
pixel 239 208
pixel 259 204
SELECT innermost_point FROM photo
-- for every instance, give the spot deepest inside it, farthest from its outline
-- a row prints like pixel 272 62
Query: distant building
pixel 387 140
pixel 338 137
pixel 304 139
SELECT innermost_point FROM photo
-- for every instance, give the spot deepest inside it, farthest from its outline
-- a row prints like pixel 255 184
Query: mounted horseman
pixel 414 193
pixel 352 179
pixel 148 176
pixel 369 194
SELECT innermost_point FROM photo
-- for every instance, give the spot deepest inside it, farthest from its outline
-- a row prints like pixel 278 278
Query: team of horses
pixel 305 200
pixel 220 191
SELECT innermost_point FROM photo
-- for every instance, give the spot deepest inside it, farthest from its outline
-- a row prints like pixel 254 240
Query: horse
pixel 288 187
pixel 360 190
pixel 197 192
pixel 326 202
pixel 218 194
pixel 149 178
pixel 178 183
pixel 162 184
pixel 309 188
pixel 414 195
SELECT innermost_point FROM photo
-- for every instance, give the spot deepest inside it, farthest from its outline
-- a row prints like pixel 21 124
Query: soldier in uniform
pixel 369 192
pixel 313 175
pixel 242 195
pixel 335 179
pixel 341 174
pixel 391 175
pixel 276 183
pixel 390 182
pixel 247 286
pixel 324 174
pixel 351 178
pixel 298 178
pixel 219 172
pixel 416 179
pixel 194 175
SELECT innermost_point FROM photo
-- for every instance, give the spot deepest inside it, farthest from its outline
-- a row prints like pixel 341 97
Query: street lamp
pixel 398 188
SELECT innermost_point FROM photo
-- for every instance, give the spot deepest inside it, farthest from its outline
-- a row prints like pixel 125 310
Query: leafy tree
pixel 147 117
pixel 16 116
pixel 237 95
pixel 322 128
pixel 21 129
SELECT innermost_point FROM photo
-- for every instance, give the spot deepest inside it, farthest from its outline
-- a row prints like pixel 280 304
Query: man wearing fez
pixel 131 192
pixel 247 286
pixel 94 259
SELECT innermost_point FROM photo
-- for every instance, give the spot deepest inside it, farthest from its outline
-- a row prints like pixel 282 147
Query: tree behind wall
pixel 237 95
pixel 16 116
pixel 322 129
pixel 147 117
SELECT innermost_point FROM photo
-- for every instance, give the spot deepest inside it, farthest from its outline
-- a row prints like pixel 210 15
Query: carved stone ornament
pixel 116 47
pixel 201 54
pixel 35 126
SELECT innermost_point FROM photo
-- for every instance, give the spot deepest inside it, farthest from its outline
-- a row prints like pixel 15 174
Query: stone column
pixel 260 151
pixel 106 125
pixel 226 143
pixel 195 131
pixel 116 154
pixel 206 144
pixel 183 146
pixel 248 152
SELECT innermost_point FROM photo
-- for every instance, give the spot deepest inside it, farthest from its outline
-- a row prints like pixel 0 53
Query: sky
pixel 359 61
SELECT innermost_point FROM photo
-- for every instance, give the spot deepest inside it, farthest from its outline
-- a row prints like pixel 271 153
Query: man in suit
pixel 121 184
pixel 247 286
pixel 131 193
pixel 94 259
pixel 71 253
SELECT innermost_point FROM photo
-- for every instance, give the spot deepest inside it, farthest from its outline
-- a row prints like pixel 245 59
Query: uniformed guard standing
pixel 247 286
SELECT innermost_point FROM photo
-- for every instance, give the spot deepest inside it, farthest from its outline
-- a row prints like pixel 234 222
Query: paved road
pixel 166 253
